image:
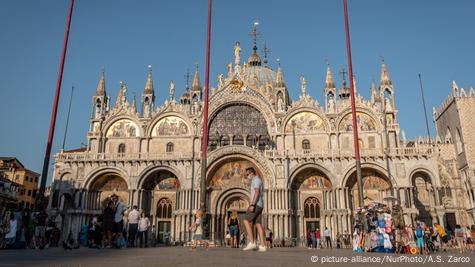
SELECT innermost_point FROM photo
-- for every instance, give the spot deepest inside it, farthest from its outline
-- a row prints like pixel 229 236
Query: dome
pixel 259 75
pixel 254 60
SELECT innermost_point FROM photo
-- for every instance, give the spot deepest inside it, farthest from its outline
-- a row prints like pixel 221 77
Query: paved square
pixel 180 256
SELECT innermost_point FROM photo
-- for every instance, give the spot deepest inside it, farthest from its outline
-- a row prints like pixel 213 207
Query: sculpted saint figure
pixel 237 53
pixel 172 89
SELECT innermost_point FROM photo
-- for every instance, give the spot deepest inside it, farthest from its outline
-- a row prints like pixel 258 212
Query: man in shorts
pixel 119 209
pixel 444 238
pixel 253 216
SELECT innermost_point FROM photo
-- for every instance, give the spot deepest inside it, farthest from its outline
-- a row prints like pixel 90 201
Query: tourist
pixel 420 238
pixel 144 224
pixel 242 241
pixel 253 215
pixel 338 240
pixel 444 238
pixel 471 238
pixel 313 240
pixel 29 226
pixel 269 236
pixel 227 239
pixel 234 227
pixel 317 238
pixel 167 238
pixel 40 229
pixel 108 222
pixel 118 220
pixel 309 239
pixel 91 232
pixel 197 229
pixel 10 236
pixel 328 237
pixel 134 217
pixel 460 237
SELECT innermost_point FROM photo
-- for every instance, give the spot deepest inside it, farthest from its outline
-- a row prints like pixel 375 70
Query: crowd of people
pixel 108 230
pixel 27 229
pixel 378 228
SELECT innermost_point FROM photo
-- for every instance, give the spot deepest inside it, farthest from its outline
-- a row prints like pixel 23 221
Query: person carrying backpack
pixel 420 238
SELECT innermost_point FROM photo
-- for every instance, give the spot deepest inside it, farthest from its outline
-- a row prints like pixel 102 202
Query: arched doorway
pixel 157 199
pixel 311 187
pixel 312 214
pixel 376 187
pixel 424 196
pixel 104 186
pixel 164 219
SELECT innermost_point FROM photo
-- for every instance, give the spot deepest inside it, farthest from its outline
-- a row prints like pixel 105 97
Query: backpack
pixel 419 232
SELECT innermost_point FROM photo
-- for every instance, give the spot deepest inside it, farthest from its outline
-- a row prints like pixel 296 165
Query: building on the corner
pixel 302 149
pixel 14 170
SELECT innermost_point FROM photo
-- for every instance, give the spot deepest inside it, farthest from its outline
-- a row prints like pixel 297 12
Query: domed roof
pixel 259 75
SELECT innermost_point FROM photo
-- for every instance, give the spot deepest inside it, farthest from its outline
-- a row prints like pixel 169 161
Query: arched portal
pixel 424 196
pixel 311 188
pixel 157 198
pixel 234 200
pixel 105 185
pixel 376 187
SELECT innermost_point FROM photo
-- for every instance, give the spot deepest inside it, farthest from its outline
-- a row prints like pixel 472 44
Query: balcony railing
pixel 308 153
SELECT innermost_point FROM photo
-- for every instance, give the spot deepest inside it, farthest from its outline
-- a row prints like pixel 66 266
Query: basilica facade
pixel 302 149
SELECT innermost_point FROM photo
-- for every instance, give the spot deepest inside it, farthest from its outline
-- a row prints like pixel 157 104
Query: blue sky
pixel 434 38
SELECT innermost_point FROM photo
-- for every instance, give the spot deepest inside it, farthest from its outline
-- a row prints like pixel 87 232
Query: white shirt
pixel 134 216
pixel 13 227
pixel 327 232
pixel 199 228
pixel 144 223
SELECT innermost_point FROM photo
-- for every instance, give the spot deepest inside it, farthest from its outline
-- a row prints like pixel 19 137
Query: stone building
pixel 26 179
pixel 302 149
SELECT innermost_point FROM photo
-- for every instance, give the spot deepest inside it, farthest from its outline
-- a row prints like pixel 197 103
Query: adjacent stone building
pixel 27 180
pixel 302 149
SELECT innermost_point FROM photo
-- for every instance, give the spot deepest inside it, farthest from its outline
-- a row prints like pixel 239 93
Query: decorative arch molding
pixel 91 177
pixel 347 112
pixel 151 125
pixel 110 121
pixel 368 165
pixel 302 167
pixel 424 170
pixel 218 156
pixel 142 177
pixel 315 111
pixel 225 196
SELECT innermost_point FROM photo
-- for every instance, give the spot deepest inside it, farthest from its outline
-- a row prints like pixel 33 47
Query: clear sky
pixel 435 38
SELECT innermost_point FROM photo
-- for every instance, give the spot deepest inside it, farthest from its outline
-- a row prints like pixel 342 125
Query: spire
pixel 148 90
pixel 385 80
pixel 374 93
pixel 134 104
pixel 280 76
pixel 101 87
pixel 329 83
pixel 254 59
pixel 266 51
pixel 196 85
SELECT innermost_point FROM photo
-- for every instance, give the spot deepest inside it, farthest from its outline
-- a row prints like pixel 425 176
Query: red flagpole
pixel 204 143
pixel 359 179
pixel 44 174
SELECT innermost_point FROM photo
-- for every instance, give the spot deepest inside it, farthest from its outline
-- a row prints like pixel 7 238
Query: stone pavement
pixel 182 256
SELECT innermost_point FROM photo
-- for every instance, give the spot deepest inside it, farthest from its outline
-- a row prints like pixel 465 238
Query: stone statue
pixel 172 89
pixel 388 104
pixel 220 81
pixel 280 104
pixel 121 98
pixel 331 105
pixel 230 69
pixel 304 86
pixel 237 53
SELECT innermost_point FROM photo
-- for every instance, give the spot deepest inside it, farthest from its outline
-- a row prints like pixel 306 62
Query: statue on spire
pixel 172 90
pixel 303 86
pixel 237 54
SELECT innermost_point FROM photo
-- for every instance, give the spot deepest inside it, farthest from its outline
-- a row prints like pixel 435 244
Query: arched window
pixel 251 140
pixel 121 149
pixel 224 140
pixel 169 147
pixel 305 144
pixel 312 208
pixel 164 209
